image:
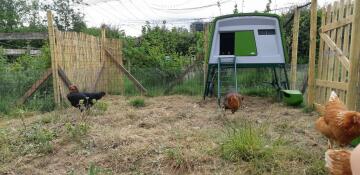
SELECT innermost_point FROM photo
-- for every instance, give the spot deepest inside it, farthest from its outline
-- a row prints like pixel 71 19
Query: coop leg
pixel 286 77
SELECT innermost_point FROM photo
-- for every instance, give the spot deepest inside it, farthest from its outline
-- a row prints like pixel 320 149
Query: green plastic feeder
pixel 355 142
pixel 292 97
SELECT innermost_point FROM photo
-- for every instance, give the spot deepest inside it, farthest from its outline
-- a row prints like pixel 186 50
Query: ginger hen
pixel 233 101
pixel 338 162
pixel 337 123
pixel 342 161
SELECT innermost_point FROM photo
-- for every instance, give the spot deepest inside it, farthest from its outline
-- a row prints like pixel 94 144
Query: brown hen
pixel 337 123
pixel 233 101
pixel 338 162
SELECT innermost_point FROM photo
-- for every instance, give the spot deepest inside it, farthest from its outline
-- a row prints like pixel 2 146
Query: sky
pixel 130 15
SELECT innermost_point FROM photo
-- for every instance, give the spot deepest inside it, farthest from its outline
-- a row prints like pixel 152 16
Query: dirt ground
pixel 129 140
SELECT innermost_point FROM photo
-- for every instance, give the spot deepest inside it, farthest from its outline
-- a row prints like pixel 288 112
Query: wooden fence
pixel 335 62
pixel 81 60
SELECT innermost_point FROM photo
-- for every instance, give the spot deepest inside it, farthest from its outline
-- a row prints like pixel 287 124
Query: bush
pixel 137 102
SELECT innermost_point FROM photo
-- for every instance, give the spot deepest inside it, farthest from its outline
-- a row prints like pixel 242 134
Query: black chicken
pixel 88 98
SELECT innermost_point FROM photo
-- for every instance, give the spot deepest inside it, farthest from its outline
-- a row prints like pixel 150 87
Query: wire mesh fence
pixel 18 76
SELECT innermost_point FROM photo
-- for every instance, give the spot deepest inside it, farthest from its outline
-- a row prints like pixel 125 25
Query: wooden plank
pixel 332 35
pixel 338 24
pixel 51 31
pixel 35 86
pixel 24 36
pixel 122 69
pixel 332 84
pixel 340 55
pixel 339 38
pixel 294 48
pixel 206 50
pixel 99 75
pixel 15 52
pixel 326 52
pixel 64 77
pixel 353 91
pixel 345 48
pixel 319 97
pixel 312 54
pixel 339 34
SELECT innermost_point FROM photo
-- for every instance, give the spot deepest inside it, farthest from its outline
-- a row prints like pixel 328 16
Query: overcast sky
pixel 130 15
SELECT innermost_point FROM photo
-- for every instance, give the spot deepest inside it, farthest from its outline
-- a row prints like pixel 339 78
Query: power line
pixel 195 8
pixel 130 12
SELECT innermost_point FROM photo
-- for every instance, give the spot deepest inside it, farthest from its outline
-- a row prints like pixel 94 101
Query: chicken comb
pixel 333 96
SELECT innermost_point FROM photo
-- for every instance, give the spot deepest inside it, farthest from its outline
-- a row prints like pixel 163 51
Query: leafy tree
pixel 235 11
pixel 304 34
pixel 67 17
pixel 268 9
pixel 11 12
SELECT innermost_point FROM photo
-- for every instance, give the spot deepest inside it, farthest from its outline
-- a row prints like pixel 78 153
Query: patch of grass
pixel 99 108
pixel 95 170
pixel 308 109
pixel 5 146
pixel 259 91
pixel 250 143
pixel 77 131
pixel 178 161
pixel 245 144
pixel 137 102
pixel 40 138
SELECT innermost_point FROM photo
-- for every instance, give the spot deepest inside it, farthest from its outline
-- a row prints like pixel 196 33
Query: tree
pixel 67 17
pixel 268 9
pixel 235 11
pixel 11 13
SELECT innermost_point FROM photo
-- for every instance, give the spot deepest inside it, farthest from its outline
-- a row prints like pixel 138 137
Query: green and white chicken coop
pixel 246 40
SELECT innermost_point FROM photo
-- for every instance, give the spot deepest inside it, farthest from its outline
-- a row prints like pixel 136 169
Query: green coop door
pixel 245 44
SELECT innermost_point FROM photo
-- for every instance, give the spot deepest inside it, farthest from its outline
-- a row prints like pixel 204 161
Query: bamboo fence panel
pixel 80 56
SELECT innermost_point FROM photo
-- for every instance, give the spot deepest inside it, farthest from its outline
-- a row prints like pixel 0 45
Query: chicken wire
pixel 155 80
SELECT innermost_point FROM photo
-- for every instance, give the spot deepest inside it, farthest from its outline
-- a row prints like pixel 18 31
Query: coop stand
pixel 279 80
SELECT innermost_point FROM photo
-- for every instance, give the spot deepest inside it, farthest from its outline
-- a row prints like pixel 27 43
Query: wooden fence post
pixel 103 59
pixel 206 50
pixel 353 88
pixel 295 48
pixel 51 31
pixel 312 54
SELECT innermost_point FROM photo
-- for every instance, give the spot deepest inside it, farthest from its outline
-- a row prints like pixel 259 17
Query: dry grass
pixel 169 135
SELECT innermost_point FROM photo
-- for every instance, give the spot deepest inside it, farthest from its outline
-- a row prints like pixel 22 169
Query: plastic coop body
pixel 252 38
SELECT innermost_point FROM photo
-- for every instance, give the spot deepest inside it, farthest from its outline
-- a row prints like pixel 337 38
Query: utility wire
pixel 195 8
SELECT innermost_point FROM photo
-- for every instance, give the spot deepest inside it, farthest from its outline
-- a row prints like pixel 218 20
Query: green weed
pixel 95 170
pixel 99 108
pixel 40 138
pixel 137 102
pixel 77 131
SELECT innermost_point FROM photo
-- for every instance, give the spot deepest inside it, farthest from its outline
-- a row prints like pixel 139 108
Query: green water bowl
pixel 292 97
